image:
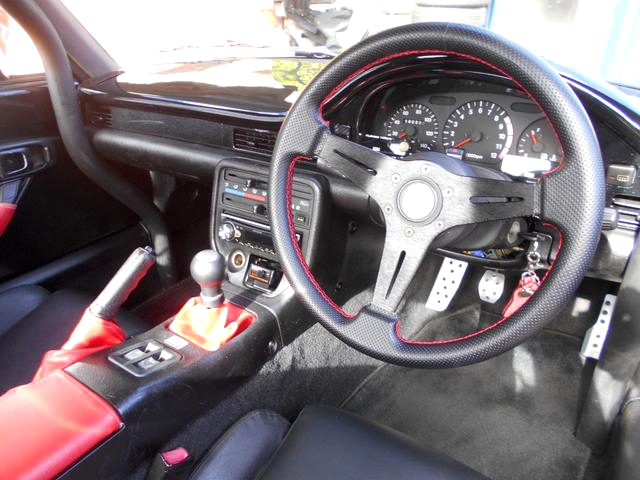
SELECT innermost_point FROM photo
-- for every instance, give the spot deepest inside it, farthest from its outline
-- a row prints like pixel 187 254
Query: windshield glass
pixel 600 39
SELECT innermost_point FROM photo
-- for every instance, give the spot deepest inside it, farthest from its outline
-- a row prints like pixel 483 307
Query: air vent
pixel 629 211
pixel 259 141
pixel 99 116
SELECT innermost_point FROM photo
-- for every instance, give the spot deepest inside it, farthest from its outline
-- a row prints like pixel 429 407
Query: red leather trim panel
pixel 6 214
pixel 48 425
pixel 90 335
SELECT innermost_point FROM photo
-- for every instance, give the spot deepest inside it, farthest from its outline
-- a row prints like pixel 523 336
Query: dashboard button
pixel 259 209
pixel 621 175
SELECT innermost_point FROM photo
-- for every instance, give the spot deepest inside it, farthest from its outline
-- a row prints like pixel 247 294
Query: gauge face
pixel 479 131
pixel 539 141
pixel 412 128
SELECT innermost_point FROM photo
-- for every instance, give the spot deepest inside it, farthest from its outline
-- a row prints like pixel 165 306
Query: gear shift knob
pixel 207 269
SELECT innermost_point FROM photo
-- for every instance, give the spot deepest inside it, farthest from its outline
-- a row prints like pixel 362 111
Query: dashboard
pixel 193 124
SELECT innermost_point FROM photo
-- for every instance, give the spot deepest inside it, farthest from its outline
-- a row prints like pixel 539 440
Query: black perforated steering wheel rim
pixel 570 198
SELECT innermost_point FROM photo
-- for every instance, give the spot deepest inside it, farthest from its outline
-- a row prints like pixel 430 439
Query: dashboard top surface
pixel 267 86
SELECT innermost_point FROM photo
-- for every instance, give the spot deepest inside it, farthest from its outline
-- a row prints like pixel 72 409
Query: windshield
pixel 599 39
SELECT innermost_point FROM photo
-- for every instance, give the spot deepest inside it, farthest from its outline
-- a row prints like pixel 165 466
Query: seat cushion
pixel 16 302
pixel 244 450
pixel 323 443
pixel 44 328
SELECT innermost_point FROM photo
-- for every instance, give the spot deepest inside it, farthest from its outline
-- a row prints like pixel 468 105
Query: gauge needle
pixel 462 142
pixel 534 138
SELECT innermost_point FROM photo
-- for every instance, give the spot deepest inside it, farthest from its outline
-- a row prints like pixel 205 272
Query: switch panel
pixel 144 358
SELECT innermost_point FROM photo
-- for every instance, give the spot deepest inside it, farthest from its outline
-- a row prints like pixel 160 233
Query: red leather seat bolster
pixel 48 425
pixel 6 214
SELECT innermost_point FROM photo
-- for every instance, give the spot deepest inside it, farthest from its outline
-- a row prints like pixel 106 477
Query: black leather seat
pixel 323 443
pixel 34 321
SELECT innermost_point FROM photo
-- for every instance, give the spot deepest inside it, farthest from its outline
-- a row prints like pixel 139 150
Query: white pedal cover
pixel 446 285
pixel 595 337
pixel 491 286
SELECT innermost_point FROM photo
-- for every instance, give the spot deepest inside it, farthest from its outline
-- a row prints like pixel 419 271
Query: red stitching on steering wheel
pixel 294 161
pixel 361 70
pixel 294 240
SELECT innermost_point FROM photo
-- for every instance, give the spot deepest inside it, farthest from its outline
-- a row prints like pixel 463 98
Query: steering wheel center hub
pixel 419 201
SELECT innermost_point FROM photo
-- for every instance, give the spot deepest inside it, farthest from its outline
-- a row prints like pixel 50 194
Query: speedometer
pixel 479 131
pixel 412 127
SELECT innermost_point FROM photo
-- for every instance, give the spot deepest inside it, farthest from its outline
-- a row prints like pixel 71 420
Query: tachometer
pixel 412 127
pixel 538 141
pixel 479 131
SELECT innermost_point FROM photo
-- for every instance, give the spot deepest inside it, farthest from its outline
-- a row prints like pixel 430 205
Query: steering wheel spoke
pixel 366 168
pixel 468 200
pixel 404 250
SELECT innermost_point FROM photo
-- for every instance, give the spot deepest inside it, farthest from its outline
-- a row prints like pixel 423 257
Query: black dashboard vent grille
pixel 99 116
pixel 250 140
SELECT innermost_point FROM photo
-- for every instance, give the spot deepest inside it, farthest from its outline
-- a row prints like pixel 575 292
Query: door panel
pixel 59 210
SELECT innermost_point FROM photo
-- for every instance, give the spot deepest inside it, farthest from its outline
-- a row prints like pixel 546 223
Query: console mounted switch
pixel 621 175
pixel 260 209
pixel 144 358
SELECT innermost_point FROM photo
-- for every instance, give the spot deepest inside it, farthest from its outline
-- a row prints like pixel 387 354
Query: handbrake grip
pixel 125 280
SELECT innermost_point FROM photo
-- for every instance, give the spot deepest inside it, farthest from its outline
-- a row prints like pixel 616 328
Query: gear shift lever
pixel 207 269
pixel 209 320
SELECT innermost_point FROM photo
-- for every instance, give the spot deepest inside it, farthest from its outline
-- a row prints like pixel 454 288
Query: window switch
pixel 152 347
pixel 133 354
pixel 165 355
pixel 148 363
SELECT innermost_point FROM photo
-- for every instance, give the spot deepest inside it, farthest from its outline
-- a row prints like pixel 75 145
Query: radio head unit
pixel 241 229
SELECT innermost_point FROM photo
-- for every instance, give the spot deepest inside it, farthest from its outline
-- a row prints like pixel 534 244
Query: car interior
pixel 413 259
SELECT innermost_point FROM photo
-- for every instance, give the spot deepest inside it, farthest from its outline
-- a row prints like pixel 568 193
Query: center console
pixel 241 230
pixel 161 379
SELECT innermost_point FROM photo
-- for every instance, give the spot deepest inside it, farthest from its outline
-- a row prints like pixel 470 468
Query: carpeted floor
pixel 509 417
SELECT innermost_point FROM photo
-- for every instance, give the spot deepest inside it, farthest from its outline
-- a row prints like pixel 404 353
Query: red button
pixel 174 457
pixel 253 196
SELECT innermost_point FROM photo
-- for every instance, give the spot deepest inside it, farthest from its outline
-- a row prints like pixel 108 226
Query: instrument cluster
pixel 474 121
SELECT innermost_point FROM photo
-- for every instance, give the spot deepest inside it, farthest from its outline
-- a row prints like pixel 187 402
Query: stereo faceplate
pixel 241 226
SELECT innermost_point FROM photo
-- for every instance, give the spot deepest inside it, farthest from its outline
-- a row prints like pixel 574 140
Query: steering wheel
pixel 570 197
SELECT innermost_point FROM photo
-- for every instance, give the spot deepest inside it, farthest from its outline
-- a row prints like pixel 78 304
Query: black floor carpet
pixel 509 417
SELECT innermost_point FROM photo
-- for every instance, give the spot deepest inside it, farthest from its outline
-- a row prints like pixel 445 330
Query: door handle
pixel 21 160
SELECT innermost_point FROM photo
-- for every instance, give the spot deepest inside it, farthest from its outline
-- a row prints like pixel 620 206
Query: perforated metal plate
pixel 447 284
pixel 597 335
pixel 491 286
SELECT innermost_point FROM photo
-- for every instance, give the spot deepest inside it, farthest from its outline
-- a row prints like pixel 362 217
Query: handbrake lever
pixel 125 281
